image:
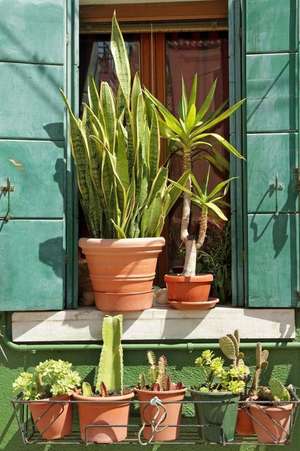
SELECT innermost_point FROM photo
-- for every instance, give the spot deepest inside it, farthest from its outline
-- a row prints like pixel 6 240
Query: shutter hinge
pixel 297 179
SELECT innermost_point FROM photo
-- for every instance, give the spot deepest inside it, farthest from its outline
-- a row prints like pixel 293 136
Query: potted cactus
pixel 217 397
pixel 193 134
pixel 48 388
pixel 158 384
pixel 101 410
pixel 124 192
pixel 272 412
pixel 244 422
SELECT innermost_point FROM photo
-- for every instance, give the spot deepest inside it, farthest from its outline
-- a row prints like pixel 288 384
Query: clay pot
pixel 98 418
pixel 52 419
pixel 188 288
pixel 271 423
pixel 244 426
pixel 148 412
pixel 122 271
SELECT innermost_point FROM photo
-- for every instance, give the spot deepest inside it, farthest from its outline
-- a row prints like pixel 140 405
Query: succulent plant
pixel 158 377
pixel 275 392
pixel 261 364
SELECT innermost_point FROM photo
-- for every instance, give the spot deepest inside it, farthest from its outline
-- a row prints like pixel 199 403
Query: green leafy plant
pixel 110 368
pixel 124 192
pixel 193 132
pixel 218 378
pixel 158 378
pixel 48 378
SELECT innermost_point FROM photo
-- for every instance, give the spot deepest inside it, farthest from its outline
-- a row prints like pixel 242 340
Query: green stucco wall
pixel 284 363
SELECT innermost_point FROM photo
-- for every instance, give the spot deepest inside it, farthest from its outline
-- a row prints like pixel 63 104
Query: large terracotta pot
pixel 122 271
pixel 148 412
pixel 188 288
pixel 99 418
pixel 52 419
pixel 271 423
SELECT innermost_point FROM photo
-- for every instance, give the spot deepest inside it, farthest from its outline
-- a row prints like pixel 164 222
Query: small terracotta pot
pixel 99 418
pixel 122 271
pixel 52 419
pixel 244 425
pixel 271 423
pixel 147 412
pixel 188 288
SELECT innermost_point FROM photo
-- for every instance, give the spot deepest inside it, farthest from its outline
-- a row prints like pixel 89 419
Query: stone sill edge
pixel 84 325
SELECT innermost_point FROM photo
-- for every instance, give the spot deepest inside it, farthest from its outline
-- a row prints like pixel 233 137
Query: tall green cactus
pixel 110 368
pixel 116 148
pixel 261 364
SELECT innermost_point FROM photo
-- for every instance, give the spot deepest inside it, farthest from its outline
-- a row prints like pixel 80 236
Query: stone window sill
pixel 159 323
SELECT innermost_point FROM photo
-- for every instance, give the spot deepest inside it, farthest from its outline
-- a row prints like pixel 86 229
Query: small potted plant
pixel 124 191
pixel 193 133
pixel 158 383
pixel 272 412
pixel 217 397
pixel 48 388
pixel 244 425
pixel 101 410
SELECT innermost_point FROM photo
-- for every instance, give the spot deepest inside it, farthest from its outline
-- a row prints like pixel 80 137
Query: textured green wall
pixel 285 364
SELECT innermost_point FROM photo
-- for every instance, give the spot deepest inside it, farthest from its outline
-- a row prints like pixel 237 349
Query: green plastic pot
pixel 218 413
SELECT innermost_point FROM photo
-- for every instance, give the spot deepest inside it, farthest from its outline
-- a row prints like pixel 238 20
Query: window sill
pixel 159 323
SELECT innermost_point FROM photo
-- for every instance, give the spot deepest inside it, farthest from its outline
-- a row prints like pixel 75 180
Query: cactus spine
pixel 110 369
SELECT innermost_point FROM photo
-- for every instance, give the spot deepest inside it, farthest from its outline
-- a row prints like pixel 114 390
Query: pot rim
pixel 179 278
pixel 271 408
pixel 163 392
pixel 104 399
pixel 121 242
pixel 215 393
pixel 54 398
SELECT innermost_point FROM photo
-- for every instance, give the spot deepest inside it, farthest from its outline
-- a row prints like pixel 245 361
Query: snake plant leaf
pixel 120 231
pixel 110 370
pixel 159 183
pixel 93 96
pixel 151 216
pixel 109 114
pixel 119 53
pixel 153 146
pixel 121 157
pixel 207 102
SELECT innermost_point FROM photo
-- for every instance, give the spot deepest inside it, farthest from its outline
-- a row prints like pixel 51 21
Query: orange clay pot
pixel 122 271
pixel 271 424
pixel 97 418
pixel 244 425
pixel 148 412
pixel 53 420
pixel 188 288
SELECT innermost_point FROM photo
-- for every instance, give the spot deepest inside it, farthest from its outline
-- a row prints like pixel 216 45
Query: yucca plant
pixel 193 133
pixel 124 192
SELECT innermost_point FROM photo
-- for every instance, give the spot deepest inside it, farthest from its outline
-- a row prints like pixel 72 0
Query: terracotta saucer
pixel 202 305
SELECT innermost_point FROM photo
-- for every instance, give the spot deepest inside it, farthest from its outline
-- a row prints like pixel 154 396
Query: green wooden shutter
pixel 37 57
pixel 271 205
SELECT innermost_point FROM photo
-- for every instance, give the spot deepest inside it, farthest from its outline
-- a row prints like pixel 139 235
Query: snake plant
pixel 124 192
pixel 193 133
